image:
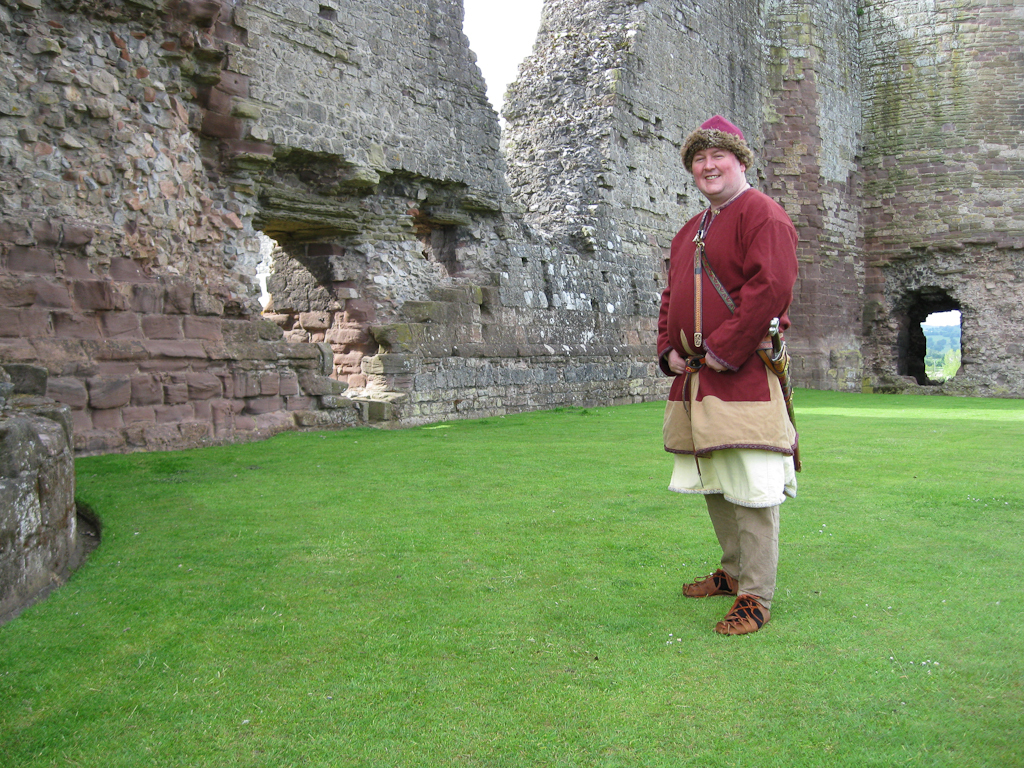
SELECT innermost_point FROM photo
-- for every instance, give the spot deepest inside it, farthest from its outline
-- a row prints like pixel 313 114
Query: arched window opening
pixel 942 333
pixel 914 358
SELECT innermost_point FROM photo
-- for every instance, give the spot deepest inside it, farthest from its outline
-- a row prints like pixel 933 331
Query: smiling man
pixel 732 271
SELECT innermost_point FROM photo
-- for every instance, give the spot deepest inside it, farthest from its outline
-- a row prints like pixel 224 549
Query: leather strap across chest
pixel 701 265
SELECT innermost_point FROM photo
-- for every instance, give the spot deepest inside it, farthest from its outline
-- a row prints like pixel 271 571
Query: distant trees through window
pixel 942 333
pixel 928 344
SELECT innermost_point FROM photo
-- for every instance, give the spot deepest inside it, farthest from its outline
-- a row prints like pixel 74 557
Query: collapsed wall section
pixel 379 174
pixel 943 190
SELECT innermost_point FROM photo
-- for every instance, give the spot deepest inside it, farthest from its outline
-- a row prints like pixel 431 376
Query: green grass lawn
pixel 505 592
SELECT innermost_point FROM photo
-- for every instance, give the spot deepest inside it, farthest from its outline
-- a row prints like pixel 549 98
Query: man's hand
pixel 713 364
pixel 676 362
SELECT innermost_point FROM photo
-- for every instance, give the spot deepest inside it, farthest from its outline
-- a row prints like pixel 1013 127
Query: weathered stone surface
pixel 27 379
pixel 109 391
pixel 69 391
pixel 38 523
pixel 203 386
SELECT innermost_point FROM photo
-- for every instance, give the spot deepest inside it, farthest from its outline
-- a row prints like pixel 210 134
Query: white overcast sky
pixel 501 35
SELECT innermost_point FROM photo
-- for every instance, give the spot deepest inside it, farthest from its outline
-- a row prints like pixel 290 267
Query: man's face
pixel 718 174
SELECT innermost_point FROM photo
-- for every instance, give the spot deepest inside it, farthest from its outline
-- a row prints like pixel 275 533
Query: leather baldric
pixel 701 265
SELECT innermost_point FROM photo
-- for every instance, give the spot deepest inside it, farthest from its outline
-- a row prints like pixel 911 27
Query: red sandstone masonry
pixel 50 295
pixel 176 393
pixel 69 391
pixel 172 414
pixel 162 327
pixel 97 295
pixel 138 415
pixel 109 392
pixel 120 325
pixel 208 329
pixel 146 390
pixel 70 325
pixel 17 291
pixel 32 260
pixel 203 386
pixel 108 420
pixel 793 147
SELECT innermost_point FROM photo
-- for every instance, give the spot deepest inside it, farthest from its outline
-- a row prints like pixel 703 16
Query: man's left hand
pixel 713 364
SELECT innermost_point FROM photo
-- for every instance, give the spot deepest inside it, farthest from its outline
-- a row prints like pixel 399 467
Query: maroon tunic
pixel 751 245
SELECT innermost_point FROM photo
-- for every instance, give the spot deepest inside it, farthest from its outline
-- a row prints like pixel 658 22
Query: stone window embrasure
pixel 912 346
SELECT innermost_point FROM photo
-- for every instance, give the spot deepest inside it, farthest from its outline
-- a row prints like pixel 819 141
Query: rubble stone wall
pixel 399 245
pixel 602 107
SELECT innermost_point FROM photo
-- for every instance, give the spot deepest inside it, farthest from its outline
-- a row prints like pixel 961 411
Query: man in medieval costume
pixel 732 271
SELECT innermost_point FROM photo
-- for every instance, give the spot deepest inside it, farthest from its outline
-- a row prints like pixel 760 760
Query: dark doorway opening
pixel 915 329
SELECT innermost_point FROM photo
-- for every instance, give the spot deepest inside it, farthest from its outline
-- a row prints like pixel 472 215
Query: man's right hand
pixel 676 362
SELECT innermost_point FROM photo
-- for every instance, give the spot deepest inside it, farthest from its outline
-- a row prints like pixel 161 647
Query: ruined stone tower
pixel 943 188
pixel 149 149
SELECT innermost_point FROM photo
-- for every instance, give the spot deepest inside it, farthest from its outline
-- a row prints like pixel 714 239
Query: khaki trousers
pixel 749 538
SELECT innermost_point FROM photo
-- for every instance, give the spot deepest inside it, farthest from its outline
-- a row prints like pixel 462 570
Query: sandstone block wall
pixel 943 191
pixel 126 254
pixel 810 161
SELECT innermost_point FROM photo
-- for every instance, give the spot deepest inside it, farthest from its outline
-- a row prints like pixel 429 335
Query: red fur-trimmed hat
pixel 717 132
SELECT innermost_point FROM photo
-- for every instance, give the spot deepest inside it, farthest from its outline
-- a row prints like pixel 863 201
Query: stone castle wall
pixel 943 170
pixel 147 146
pixel 812 144
pixel 126 256
pixel 398 242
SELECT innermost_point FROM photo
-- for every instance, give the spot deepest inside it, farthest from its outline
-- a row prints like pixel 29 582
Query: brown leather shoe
pixel 746 616
pixel 717 583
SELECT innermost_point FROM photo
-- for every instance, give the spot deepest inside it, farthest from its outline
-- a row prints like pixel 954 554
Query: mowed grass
pixel 505 592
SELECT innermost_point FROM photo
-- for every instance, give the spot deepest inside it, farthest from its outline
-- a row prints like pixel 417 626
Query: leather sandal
pixel 717 583
pixel 746 615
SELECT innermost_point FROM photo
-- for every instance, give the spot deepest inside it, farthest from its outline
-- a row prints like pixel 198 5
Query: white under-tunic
pixel 746 476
